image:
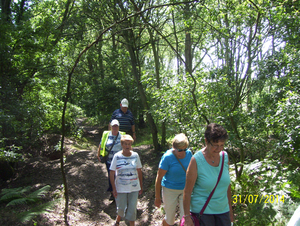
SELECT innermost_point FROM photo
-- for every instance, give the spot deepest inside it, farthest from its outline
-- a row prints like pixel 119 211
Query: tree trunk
pixel 156 59
pixel 143 96
pixel 189 63
pixel 177 43
pixel 157 75
pixel 5 10
pixel 21 11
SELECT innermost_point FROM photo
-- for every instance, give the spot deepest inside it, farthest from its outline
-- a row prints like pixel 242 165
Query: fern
pixel 18 196
pixel 21 201
pixel 39 193
pixel 13 193
pixel 40 209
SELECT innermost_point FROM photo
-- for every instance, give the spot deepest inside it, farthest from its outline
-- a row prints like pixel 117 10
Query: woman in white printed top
pixel 126 179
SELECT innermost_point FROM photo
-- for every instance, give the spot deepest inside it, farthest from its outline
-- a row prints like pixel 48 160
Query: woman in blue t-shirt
pixel 202 176
pixel 171 178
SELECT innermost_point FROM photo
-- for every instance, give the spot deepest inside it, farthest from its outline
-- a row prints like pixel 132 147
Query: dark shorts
pixel 215 219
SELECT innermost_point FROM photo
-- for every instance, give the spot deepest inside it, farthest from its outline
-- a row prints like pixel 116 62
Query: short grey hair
pixel 180 141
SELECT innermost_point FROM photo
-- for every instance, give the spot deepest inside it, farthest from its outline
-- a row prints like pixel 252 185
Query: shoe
pixel 117 223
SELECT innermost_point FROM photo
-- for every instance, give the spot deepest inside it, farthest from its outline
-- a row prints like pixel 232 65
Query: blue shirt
pixel 175 175
pixel 207 177
pixel 126 120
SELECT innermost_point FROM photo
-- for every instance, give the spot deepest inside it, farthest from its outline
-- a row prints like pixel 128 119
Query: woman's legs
pixel 109 184
pixel 118 219
pixel 180 201
pixel 171 198
pixel 164 223
pixel 132 199
pixel 126 206
pixel 121 202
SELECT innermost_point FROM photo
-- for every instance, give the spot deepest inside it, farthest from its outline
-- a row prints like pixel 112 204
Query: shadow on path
pixel 87 184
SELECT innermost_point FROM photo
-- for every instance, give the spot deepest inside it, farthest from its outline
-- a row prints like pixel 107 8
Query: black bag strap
pixel 113 144
pixel 212 192
pixel 179 161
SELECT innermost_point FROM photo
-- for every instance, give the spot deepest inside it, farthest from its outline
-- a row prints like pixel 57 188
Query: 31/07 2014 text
pixel 257 199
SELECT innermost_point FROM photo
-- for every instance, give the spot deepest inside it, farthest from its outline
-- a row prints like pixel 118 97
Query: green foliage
pixel 245 76
pixel 10 154
pixel 33 200
pixel 285 124
pixel 35 211
pixel 264 194
pixel 16 196
pixel 143 138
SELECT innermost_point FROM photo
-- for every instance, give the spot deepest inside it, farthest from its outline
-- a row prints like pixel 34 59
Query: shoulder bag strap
pixel 179 161
pixel 219 177
pixel 113 144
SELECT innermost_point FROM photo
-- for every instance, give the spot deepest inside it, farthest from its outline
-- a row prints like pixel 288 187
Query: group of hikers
pixel 199 183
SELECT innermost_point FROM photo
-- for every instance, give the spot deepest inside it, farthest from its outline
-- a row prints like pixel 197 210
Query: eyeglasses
pixel 216 146
pixel 180 150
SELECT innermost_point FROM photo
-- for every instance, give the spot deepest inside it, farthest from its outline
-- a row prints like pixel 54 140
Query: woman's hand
pixel 98 152
pixel 115 193
pixel 231 216
pixel 157 202
pixel 141 192
pixel 159 176
pixel 188 221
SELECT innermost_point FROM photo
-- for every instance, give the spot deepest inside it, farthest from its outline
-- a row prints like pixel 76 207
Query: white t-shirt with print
pixel 127 179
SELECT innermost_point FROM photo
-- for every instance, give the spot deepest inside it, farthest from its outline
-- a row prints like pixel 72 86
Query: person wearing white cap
pixel 125 118
pixel 109 145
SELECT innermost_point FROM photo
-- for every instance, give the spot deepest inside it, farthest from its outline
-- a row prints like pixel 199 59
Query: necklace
pixel 207 157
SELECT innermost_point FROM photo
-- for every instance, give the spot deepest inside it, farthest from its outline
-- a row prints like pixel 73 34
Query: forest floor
pixel 89 202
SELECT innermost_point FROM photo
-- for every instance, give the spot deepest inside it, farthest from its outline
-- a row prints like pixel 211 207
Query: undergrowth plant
pixel 10 154
pixel 264 195
pixel 22 198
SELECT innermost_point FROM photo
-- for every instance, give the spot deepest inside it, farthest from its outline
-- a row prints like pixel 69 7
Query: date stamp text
pixel 246 199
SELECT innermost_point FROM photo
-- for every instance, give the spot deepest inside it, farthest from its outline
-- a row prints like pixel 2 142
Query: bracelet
pixel 186 215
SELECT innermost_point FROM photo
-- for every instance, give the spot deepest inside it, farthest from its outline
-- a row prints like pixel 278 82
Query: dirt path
pixel 87 183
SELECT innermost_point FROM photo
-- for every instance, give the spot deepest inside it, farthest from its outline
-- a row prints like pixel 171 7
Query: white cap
pixel 114 122
pixel 124 103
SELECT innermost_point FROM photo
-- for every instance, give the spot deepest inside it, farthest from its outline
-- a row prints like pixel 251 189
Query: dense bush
pixel 265 194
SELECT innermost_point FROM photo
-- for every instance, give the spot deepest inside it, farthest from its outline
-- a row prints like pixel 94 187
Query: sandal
pixel 117 223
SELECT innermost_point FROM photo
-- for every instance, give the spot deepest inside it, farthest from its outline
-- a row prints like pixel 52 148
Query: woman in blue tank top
pixel 202 176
